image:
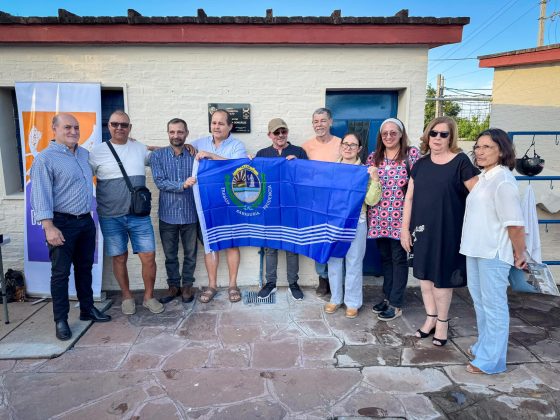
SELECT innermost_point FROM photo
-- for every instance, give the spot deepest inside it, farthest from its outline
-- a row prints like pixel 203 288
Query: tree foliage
pixel 469 128
pixel 451 109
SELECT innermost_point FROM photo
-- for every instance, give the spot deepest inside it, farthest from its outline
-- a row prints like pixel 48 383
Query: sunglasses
pixel 389 134
pixel 280 131
pixel 119 124
pixel 442 134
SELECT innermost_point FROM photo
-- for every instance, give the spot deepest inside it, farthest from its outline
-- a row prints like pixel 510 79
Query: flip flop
pixel 234 294
pixel 207 295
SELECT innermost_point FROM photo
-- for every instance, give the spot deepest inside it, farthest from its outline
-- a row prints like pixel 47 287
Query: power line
pixel 464 74
pixel 466 91
pixel 495 15
pixel 472 88
pixel 499 33
pixel 453 59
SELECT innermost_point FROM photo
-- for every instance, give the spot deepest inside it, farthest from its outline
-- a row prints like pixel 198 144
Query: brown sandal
pixel 207 295
pixel 473 369
pixel 234 294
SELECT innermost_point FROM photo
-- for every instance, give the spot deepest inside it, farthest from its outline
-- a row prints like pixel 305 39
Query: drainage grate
pixel 251 297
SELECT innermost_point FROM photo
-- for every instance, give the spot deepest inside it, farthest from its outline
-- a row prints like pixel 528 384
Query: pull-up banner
pixel 37 104
pixel 303 206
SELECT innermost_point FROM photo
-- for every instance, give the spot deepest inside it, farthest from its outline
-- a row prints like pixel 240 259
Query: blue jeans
pixel 292 266
pixel 348 289
pixel 170 234
pixel 322 270
pixel 488 283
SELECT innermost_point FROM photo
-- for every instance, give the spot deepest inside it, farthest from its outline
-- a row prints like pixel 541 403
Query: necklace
pixel 387 160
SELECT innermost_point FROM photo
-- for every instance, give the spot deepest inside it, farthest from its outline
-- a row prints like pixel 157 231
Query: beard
pixel 178 142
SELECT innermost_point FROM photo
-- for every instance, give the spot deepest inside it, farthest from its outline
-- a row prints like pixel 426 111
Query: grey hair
pixel 323 111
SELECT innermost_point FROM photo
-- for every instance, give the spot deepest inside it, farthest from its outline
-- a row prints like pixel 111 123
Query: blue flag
pixel 303 206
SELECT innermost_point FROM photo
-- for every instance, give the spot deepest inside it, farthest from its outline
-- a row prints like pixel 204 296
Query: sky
pixel 495 26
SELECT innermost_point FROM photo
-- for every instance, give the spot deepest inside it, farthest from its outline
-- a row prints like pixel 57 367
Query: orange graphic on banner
pixel 37 132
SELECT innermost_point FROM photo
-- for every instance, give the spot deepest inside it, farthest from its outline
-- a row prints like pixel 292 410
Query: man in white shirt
pixel 113 208
pixel 220 145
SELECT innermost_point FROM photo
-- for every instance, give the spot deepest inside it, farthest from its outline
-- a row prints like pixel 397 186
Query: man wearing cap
pixel 281 148
pixel 61 197
pixel 325 147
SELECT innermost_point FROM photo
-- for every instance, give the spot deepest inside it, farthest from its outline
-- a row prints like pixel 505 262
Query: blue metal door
pixel 363 112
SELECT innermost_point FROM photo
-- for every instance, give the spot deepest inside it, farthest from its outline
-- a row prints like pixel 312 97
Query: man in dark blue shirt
pixel 172 171
pixel 281 148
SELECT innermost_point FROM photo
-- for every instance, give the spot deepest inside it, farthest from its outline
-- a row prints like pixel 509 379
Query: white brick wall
pixel 173 81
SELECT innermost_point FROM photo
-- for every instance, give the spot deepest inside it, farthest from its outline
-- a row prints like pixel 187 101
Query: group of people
pixel 460 223
pixel 430 208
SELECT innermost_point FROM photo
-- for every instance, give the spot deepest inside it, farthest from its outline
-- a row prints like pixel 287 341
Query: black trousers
pixel 78 249
pixel 395 270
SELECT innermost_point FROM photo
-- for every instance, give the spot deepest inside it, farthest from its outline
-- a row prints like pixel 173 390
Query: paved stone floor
pixel 289 360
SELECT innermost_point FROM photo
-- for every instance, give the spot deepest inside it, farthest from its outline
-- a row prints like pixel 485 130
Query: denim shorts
pixel 117 230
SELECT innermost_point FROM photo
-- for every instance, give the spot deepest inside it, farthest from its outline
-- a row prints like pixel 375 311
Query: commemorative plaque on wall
pixel 240 115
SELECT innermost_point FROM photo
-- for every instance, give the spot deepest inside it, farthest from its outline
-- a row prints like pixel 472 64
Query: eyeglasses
pixel 442 134
pixel 351 146
pixel 482 148
pixel 280 131
pixel 389 134
pixel 119 124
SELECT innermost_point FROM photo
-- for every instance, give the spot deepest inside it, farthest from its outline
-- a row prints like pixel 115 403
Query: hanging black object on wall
pixel 530 166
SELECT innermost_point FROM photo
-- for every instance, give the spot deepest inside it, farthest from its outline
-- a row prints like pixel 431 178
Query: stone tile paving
pixel 289 360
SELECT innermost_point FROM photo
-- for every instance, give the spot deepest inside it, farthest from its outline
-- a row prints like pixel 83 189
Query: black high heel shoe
pixel 440 342
pixel 422 334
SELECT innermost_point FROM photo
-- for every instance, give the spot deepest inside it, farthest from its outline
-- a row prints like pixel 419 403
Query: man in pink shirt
pixel 324 147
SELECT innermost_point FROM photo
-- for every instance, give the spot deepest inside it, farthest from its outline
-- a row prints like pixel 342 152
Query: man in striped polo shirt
pixel 61 196
pixel 172 171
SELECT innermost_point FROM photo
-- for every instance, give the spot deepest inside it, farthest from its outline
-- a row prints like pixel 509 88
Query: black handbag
pixel 140 197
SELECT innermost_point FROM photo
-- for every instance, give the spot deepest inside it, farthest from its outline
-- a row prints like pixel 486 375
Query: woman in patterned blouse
pixel 393 157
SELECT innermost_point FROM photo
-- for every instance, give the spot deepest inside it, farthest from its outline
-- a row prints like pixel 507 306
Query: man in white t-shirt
pixel 113 208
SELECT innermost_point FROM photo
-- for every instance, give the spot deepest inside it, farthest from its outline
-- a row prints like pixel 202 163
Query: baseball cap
pixel 275 124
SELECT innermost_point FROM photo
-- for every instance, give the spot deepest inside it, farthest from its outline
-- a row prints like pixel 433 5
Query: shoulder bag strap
pixel 121 167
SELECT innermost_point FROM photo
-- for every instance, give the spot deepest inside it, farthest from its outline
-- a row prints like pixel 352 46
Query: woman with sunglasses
pixel 433 219
pixel 493 240
pixel 394 159
pixel 347 288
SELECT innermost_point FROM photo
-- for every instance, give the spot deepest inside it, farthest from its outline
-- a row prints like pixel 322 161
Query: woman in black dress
pixel 433 219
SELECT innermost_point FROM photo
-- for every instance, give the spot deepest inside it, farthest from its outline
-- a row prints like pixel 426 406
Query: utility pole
pixel 438 95
pixel 542 19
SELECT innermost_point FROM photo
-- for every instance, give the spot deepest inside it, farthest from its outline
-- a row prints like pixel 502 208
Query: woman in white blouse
pixel 493 240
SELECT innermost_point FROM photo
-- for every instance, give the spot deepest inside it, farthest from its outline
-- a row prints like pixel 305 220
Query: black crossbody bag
pixel 140 197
